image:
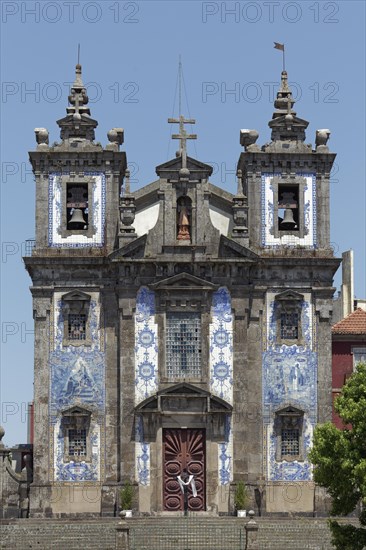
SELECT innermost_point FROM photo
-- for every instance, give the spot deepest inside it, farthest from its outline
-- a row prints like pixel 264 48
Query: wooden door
pixel 183 449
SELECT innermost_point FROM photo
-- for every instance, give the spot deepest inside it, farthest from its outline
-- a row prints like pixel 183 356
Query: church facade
pixel 180 330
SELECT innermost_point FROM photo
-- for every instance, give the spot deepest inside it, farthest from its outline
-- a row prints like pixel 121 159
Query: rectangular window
pixel 76 327
pixel 183 345
pixel 289 326
pixel 77 442
pixel 290 442
pixel 359 356
pixel 77 206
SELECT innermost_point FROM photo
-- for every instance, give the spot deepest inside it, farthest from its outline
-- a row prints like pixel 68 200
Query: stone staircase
pixel 193 533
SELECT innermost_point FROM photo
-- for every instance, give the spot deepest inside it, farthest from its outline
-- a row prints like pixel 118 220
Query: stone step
pixel 193 533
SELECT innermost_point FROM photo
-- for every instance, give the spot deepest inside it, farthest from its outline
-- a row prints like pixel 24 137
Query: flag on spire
pixel 281 47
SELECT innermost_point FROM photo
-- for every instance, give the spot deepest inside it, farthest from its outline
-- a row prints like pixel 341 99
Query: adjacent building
pixel 348 349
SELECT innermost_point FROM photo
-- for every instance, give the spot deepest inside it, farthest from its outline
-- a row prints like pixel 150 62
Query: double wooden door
pixel 183 449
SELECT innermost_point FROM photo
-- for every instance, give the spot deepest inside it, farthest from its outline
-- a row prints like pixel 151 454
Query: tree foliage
pixel 339 457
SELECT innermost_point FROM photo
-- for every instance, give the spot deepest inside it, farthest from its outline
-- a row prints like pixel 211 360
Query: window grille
pixel 77 442
pixel 77 326
pixel 289 326
pixel 183 345
pixel 290 443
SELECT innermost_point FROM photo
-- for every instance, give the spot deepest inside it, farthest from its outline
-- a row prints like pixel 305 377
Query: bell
pixel 77 217
pixel 288 221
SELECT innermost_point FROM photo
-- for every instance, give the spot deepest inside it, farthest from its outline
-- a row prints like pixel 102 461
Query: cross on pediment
pixel 183 136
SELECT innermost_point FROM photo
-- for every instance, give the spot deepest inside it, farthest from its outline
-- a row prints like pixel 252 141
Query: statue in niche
pixel 183 215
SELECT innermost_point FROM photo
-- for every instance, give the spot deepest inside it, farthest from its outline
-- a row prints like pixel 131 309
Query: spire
pixel 77 123
pixel 78 97
pixel 284 102
pixel 285 125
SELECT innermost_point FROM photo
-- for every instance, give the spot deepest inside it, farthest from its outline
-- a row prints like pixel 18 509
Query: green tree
pixel 339 457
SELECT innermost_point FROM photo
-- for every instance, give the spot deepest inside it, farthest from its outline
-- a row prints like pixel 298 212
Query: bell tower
pixel 78 183
pixel 78 188
pixel 285 187
pixel 287 181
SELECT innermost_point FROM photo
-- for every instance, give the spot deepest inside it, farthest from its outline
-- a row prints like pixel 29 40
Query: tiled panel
pixel 146 346
pixel 226 456
pixel 221 346
pixel 77 378
pixel 289 378
pixel 146 374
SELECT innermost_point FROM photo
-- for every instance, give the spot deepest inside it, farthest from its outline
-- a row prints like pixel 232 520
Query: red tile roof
pixel 354 323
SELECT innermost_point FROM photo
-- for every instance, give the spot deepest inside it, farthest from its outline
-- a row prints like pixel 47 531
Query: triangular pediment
pixel 197 168
pixel 134 249
pixel 182 390
pixel 232 249
pixel 76 296
pixel 76 410
pixel 289 295
pixel 184 280
pixel 289 410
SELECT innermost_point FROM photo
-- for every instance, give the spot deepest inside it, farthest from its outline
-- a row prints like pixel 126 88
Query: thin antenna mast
pixel 180 85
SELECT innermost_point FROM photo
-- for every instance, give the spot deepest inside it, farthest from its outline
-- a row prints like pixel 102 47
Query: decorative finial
pixel 321 139
pixel 116 137
pixel 42 137
pixel 248 139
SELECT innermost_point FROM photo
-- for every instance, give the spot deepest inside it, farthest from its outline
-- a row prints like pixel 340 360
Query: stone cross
pixel 183 136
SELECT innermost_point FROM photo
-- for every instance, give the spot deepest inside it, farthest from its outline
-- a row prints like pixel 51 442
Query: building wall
pixel 342 368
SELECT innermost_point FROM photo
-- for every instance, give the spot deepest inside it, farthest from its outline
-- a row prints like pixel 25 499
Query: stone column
pixel 40 491
pixel 112 404
pixel 127 306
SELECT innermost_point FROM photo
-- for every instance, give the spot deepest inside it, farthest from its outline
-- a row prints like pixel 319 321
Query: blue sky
pixel 129 55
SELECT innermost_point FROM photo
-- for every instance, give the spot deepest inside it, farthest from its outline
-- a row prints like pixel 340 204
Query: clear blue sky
pixel 129 54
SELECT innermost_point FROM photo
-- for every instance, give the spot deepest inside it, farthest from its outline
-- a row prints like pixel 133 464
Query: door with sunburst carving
pixel 183 449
